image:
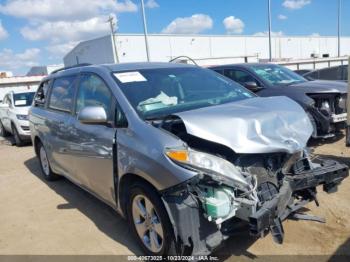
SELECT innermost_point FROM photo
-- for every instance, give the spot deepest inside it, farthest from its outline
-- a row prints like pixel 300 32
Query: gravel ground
pixel 58 218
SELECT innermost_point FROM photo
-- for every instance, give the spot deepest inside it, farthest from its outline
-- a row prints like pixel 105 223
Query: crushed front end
pixel 328 113
pixel 208 209
pixel 252 167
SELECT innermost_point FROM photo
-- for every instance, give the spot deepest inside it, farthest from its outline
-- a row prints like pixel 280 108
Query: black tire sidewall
pixel 2 130
pixel 16 136
pixel 169 240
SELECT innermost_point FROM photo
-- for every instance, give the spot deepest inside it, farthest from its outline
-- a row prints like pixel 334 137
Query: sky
pixel 41 32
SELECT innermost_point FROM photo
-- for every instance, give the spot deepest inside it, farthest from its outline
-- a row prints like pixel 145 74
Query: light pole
pixel 112 25
pixel 145 29
pixel 269 21
pixel 339 25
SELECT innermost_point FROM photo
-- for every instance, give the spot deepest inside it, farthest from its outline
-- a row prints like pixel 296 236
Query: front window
pixel 23 99
pixel 94 92
pixel 277 75
pixel 240 76
pixel 155 93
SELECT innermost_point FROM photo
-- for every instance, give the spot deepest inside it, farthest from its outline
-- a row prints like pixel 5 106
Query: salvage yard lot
pixel 59 218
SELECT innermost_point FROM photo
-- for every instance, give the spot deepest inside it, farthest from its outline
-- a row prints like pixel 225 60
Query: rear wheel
pixel 45 164
pixel 149 221
pixel 18 140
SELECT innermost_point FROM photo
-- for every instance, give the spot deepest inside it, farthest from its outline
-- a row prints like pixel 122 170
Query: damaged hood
pixel 255 125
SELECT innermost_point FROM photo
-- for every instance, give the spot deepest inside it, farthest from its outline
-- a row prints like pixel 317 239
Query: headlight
pixel 341 102
pixel 22 117
pixel 312 102
pixel 209 164
pixel 326 108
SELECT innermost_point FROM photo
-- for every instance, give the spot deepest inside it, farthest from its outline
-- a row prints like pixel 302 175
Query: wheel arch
pixel 126 181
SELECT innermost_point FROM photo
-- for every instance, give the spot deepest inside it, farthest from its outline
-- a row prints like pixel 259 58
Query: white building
pixel 30 82
pixel 18 83
pixel 204 49
pixel 43 70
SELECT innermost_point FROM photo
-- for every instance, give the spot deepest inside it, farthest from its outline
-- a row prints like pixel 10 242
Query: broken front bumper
pixel 194 232
pixel 303 185
pixel 339 118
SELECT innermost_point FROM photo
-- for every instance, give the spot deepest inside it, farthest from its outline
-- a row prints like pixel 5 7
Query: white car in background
pixel 14 116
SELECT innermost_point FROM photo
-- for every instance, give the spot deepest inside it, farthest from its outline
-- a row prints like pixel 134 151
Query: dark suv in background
pixel 335 73
pixel 324 101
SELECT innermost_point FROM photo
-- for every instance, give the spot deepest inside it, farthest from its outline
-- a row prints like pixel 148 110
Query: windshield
pixel 277 75
pixel 155 93
pixel 23 99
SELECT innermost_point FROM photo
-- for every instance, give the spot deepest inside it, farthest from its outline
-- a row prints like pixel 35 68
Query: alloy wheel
pixel 44 161
pixel 147 223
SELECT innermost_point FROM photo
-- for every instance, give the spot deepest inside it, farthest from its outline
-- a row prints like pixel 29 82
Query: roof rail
pixel 69 67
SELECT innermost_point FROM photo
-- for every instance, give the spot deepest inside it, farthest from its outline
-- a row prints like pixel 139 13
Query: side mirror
pixel 4 106
pixel 252 86
pixel 93 115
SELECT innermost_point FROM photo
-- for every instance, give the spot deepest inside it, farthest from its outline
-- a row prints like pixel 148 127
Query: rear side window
pixel 62 93
pixel 94 92
pixel 333 73
pixel 41 94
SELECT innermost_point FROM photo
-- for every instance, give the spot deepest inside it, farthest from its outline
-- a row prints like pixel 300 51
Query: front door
pixel 93 144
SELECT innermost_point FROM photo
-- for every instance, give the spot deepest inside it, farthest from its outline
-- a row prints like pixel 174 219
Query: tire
pixel 347 136
pixel 3 132
pixel 18 140
pixel 152 221
pixel 44 164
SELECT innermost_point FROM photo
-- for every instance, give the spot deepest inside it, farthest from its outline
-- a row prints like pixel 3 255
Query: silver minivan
pixel 184 154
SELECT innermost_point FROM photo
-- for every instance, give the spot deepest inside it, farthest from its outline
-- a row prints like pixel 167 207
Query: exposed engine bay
pixel 259 190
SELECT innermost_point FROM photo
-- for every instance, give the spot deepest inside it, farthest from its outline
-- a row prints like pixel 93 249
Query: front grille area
pixel 25 128
pixel 330 104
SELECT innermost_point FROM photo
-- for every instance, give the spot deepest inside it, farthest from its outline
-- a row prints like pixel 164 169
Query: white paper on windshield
pixel 20 102
pixel 129 77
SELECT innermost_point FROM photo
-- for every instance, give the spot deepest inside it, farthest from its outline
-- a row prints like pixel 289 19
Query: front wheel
pixel 347 138
pixel 18 140
pixel 149 221
pixel 3 132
